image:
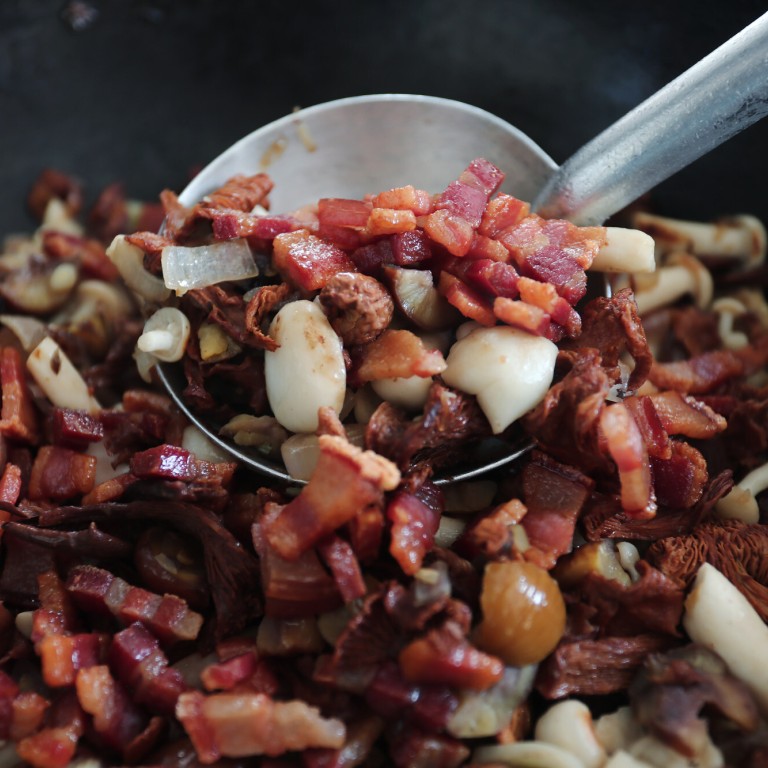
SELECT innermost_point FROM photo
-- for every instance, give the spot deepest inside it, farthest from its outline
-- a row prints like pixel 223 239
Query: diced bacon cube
pixel 485 248
pixel 406 198
pixel 59 473
pixel 370 258
pixel 468 301
pixel 544 296
pixel 307 261
pixel 342 212
pixel 520 314
pixel 554 265
pixel 61 656
pixel 18 417
pixel 452 232
pixel 493 277
pixel 410 248
pixel 463 201
pixel 389 221
pixel 501 213
pixel 10 484
pixel 399 354
pixel 483 175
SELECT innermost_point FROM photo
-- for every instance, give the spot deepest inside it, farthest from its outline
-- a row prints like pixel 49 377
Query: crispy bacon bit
pixel 243 724
pixel 698 375
pixel 406 198
pixel 628 451
pixel 167 617
pixel 554 495
pixel 358 307
pixel 137 661
pixel 335 212
pixel 444 656
pixel 18 417
pixel 307 261
pixel 90 255
pixel 76 429
pixel 228 224
pixel 649 423
pixel 679 481
pixel 345 482
pixel 389 221
pixel 415 518
pixel 170 462
pixel 468 301
pixel 682 415
pixel 502 212
pixel 397 354
pixel 62 656
pixel 10 485
pixel 451 231
pixel 240 193
pixel 521 314
pixel 61 474
pixel 340 558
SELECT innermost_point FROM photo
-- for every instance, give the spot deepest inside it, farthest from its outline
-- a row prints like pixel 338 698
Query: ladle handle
pixel 718 97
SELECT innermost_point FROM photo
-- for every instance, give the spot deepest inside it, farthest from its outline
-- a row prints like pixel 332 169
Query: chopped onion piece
pixel 129 260
pixel 186 268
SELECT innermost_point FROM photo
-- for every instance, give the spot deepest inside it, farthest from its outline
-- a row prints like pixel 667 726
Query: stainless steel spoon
pixel 353 146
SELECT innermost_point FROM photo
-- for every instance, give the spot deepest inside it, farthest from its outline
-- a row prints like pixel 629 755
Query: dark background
pixel 149 89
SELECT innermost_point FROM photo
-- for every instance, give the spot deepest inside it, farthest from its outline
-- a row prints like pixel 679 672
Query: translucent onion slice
pixel 187 268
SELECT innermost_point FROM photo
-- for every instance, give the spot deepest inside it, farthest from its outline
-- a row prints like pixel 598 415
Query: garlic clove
pixel 568 724
pixel 508 370
pixel 307 369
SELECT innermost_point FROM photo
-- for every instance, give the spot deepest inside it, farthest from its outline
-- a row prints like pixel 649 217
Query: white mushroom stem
pixel 626 250
pixel 739 237
pixel 568 724
pixel 728 309
pixel 165 335
pixel 526 754
pixel 740 503
pixel 682 275
pixel 58 378
pixel 719 617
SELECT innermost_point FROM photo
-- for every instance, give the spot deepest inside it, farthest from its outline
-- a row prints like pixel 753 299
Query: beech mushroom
pixel 508 370
pixel 568 724
pixel 526 754
pixel 129 260
pixel 307 369
pixel 681 275
pixel 719 617
pixel 58 378
pixel 728 309
pixel 625 250
pixel 39 287
pixel 165 335
pixel 740 502
pixel 742 238
pixel 58 218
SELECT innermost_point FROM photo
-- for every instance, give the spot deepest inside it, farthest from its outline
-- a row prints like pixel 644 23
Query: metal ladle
pixel 363 144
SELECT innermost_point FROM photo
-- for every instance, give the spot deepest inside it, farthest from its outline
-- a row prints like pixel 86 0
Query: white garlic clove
pixel 568 724
pixel 526 754
pixel 508 370
pixel 307 370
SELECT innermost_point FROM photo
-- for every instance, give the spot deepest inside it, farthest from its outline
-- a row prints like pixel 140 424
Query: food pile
pixel 600 603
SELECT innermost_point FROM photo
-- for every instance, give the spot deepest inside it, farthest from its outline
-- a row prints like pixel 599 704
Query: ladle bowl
pixel 353 146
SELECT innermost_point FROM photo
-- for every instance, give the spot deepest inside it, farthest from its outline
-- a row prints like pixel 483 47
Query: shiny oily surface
pixel 523 612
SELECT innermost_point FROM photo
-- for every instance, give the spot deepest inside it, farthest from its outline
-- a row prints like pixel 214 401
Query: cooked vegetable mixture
pixel 600 603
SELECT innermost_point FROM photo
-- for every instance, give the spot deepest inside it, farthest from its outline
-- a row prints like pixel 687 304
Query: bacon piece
pixel 628 451
pixel 370 258
pixel 240 193
pixel 137 661
pixel 229 224
pixel 27 715
pixel 61 656
pixel 116 719
pixel 410 746
pixel 54 746
pixel 10 487
pixel 307 261
pixel 56 613
pixel 467 300
pixel 60 474
pixel 389 221
pixel 243 724
pixel 345 481
pixel 89 255
pixel 396 354
pixel 342 212
pixel 292 588
pixel 501 213
pixel 171 462
pixel 493 277
pixel 521 314
pixel 698 375
pixel 415 518
pixel 339 556
pixel 99 591
pixel 18 417
pixel 409 248
pixel 682 415
pixel 406 198
pixel 483 247
pixel 52 183
pixel 651 428
pixel 596 667
pixel 554 495
pixel 451 231
pixel 680 480
pixel 75 429
pixel 239 668
pixel 444 656
pixel 468 197
pixel 491 535
pixel 152 244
